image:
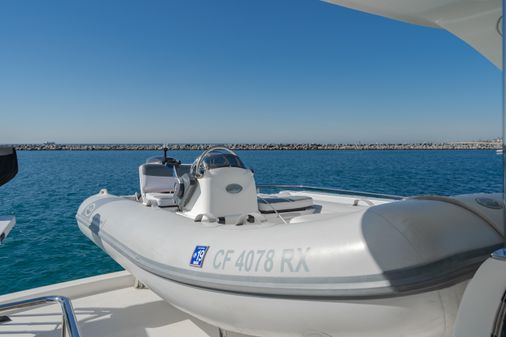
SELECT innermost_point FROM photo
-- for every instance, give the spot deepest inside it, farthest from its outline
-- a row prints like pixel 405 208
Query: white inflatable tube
pixel 345 274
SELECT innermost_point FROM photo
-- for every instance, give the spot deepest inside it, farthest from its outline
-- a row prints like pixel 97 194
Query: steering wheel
pixel 197 169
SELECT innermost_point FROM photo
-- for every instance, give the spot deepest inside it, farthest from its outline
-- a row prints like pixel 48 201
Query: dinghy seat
pixel 158 183
pixel 290 203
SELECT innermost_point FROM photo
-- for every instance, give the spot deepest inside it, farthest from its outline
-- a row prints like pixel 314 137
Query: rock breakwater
pixel 477 145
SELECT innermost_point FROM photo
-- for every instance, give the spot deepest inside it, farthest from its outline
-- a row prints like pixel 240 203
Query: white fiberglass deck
pixel 6 224
pixel 106 305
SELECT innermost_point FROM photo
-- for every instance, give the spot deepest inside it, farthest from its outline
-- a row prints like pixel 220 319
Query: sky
pixel 235 71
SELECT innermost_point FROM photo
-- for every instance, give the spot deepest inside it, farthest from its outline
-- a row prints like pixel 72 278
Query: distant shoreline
pixel 476 145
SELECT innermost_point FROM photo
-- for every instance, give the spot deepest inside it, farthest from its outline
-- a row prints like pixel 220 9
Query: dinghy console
pixel 219 188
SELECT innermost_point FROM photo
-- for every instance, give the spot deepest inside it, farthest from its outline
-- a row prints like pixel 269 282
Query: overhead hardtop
pixel 478 23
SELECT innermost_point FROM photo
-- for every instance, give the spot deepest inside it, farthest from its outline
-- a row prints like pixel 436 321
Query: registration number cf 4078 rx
pixel 290 260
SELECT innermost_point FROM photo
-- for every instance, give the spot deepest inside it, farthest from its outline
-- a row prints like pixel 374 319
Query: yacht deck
pixel 106 305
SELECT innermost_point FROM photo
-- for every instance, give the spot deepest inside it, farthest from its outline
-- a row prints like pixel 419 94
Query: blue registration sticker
pixel 198 256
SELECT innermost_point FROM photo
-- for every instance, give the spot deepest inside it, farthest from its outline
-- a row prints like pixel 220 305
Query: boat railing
pixel 330 190
pixel 69 323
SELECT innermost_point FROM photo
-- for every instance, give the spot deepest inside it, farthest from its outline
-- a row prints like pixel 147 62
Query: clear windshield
pixel 217 160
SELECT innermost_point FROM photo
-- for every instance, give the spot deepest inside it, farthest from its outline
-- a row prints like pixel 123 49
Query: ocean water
pixel 46 245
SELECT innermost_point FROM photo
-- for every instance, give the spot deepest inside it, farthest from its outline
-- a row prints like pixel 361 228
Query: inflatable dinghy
pixel 294 263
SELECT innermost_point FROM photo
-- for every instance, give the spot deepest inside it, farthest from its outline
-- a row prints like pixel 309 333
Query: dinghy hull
pixel 348 274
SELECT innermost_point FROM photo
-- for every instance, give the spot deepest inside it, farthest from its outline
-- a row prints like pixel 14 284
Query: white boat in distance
pixel 294 263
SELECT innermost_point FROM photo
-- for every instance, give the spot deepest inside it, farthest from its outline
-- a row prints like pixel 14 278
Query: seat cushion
pixel 157 178
pixel 160 199
pixel 269 203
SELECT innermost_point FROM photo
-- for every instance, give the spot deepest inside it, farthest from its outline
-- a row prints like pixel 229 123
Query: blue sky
pixel 235 71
